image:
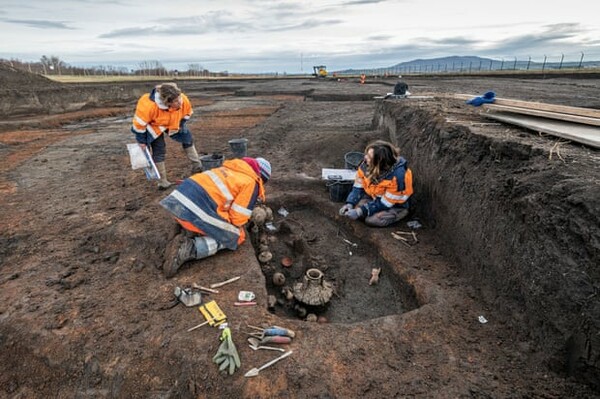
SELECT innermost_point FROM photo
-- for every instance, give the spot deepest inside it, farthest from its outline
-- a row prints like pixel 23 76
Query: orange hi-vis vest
pixel 218 202
pixel 393 189
pixel 155 118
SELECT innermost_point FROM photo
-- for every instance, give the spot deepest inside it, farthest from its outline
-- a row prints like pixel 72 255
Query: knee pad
pixel 206 246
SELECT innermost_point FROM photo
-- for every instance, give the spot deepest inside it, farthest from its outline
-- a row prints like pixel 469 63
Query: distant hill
pixel 468 64
pixel 456 60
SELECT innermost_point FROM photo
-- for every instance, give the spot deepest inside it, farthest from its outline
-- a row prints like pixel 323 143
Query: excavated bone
pixel 287 292
pixel 278 279
pixel 259 215
pixel 263 239
pixel 265 256
pixel 301 311
pixel 374 276
pixel 311 317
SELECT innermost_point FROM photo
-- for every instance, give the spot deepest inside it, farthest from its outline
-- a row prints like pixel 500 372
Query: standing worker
pixel 165 110
pixel 382 187
pixel 213 208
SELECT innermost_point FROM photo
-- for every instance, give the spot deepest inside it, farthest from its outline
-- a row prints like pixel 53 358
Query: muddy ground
pixel 509 232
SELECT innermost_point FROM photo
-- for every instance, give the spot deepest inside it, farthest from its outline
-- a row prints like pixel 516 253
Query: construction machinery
pixel 320 71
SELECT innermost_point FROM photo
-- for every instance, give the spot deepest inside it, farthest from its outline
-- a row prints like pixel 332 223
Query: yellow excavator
pixel 320 71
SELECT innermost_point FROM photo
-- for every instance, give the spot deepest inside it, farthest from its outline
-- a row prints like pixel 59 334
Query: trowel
pixel 254 372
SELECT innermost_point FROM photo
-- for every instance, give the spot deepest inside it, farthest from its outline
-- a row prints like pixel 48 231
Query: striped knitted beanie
pixel 265 169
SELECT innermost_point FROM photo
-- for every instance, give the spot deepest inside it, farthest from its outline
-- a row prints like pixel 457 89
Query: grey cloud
pixel 128 32
pixel 454 41
pixel 565 27
pixel 308 24
pixel 360 2
pixel 552 38
pixel 196 25
pixel 289 13
pixel 104 2
pixel 379 38
pixel 41 24
pixel 218 21
pixel 287 7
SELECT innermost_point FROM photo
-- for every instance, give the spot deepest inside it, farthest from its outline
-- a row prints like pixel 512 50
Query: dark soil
pixel 311 239
pixel 509 232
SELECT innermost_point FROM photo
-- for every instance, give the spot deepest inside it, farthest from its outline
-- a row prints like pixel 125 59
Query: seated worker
pixel 213 207
pixel 401 89
pixel 382 187
pixel 165 111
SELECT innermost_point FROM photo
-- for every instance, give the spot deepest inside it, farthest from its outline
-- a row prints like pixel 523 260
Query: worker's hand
pixel 343 210
pixel 142 146
pixel 354 214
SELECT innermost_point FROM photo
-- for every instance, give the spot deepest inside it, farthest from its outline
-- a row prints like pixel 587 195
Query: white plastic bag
pixel 141 159
pixel 137 156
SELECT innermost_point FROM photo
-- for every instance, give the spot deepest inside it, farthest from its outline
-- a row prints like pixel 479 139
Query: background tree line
pixel 53 65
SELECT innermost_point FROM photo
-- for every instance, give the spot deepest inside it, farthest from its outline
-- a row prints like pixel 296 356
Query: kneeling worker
pixel 382 187
pixel 214 206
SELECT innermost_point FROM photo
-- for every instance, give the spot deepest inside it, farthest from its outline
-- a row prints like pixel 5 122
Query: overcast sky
pixel 292 36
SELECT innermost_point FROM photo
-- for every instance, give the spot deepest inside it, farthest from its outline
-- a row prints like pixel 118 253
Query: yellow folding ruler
pixel 212 313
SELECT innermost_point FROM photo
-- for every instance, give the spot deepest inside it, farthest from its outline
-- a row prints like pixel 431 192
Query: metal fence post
pixel 561 61
pixel 544 64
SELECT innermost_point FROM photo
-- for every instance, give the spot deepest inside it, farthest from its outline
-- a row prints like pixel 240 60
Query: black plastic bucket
pixel 239 147
pixel 211 161
pixel 353 159
pixel 339 190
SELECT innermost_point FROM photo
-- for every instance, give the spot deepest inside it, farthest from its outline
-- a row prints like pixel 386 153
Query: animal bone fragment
pixel 374 275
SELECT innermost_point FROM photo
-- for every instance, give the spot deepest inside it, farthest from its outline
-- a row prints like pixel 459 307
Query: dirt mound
pixel 15 79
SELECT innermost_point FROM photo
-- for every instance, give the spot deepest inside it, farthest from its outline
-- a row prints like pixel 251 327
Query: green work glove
pixel 234 358
pixel 222 356
pixel 227 356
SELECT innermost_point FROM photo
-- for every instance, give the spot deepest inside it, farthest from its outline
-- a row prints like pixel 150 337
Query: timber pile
pixel 581 125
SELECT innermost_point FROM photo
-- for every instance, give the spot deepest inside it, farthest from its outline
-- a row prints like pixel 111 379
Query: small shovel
pixel 254 372
pixel 255 345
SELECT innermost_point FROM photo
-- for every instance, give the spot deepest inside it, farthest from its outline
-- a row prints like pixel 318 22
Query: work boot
pixel 180 250
pixel 163 183
pixel 192 155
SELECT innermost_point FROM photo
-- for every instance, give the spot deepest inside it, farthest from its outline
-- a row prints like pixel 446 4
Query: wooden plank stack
pixel 581 125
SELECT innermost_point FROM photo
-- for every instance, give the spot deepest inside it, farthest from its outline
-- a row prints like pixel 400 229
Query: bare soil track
pixel 510 232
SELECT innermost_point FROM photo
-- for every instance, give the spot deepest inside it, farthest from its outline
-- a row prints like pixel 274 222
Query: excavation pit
pixel 330 271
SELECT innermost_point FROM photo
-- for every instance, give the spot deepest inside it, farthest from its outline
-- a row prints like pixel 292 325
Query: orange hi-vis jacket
pixel 393 189
pixel 218 202
pixel 155 118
